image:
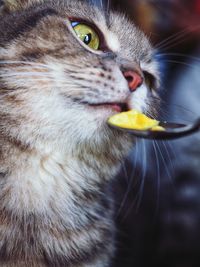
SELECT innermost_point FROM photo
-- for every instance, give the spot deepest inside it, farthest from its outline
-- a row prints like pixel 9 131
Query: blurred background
pixel 158 210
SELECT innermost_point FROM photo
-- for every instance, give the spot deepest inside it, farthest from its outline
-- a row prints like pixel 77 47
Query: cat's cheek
pixel 138 99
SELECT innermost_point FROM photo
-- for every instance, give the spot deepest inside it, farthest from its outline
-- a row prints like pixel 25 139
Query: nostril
pixel 134 79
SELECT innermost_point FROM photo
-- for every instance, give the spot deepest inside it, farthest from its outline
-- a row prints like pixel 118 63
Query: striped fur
pixel 57 153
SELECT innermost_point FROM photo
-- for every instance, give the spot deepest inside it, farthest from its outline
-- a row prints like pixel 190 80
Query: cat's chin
pixel 100 114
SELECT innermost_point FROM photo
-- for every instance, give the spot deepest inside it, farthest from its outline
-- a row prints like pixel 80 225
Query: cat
pixel 65 68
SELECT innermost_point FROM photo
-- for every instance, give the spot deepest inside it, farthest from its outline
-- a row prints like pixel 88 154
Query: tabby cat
pixel 65 68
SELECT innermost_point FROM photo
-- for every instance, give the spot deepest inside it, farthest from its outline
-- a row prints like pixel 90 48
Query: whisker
pixel 163 160
pixel 129 188
pixel 28 68
pixel 169 156
pixel 69 65
pixel 138 197
pixel 165 44
pixel 175 44
pixel 172 149
pixel 23 62
pixel 67 82
pixel 171 38
pixel 108 6
pixel 158 177
pixel 125 172
pixel 144 170
pixel 182 63
pixel 20 74
pixel 163 107
pixel 179 55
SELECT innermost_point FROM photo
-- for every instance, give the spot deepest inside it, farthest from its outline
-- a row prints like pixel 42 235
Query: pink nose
pixel 134 79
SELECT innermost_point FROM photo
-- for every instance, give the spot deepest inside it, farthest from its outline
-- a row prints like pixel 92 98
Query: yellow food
pixel 134 120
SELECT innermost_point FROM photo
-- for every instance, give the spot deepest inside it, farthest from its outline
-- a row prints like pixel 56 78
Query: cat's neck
pixel 58 195
pixel 36 178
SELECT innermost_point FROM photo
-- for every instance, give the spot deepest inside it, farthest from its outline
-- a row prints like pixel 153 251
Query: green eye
pixel 87 35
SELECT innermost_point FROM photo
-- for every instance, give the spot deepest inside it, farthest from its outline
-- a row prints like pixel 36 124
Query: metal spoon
pixel 172 130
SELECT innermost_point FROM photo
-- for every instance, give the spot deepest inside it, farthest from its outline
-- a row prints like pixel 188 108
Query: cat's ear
pixel 9 6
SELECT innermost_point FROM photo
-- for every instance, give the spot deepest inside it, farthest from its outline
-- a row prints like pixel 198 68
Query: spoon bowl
pixel 172 130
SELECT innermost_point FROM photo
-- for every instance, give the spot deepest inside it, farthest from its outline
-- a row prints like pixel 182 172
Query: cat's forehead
pixel 120 35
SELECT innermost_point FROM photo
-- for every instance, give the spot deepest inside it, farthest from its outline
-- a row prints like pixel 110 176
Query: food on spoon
pixel 158 128
pixel 134 120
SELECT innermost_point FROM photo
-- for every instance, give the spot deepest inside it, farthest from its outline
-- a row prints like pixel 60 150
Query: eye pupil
pixel 88 38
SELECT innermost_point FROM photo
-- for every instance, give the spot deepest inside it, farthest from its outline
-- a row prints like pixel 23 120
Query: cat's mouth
pixel 118 107
pixel 115 106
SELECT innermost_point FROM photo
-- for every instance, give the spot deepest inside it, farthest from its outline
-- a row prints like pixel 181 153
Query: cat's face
pixel 54 86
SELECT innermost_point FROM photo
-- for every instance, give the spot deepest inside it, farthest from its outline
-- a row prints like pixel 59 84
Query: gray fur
pixel 57 153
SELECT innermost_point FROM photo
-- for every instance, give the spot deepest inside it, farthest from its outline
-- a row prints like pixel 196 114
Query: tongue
pixel 116 108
